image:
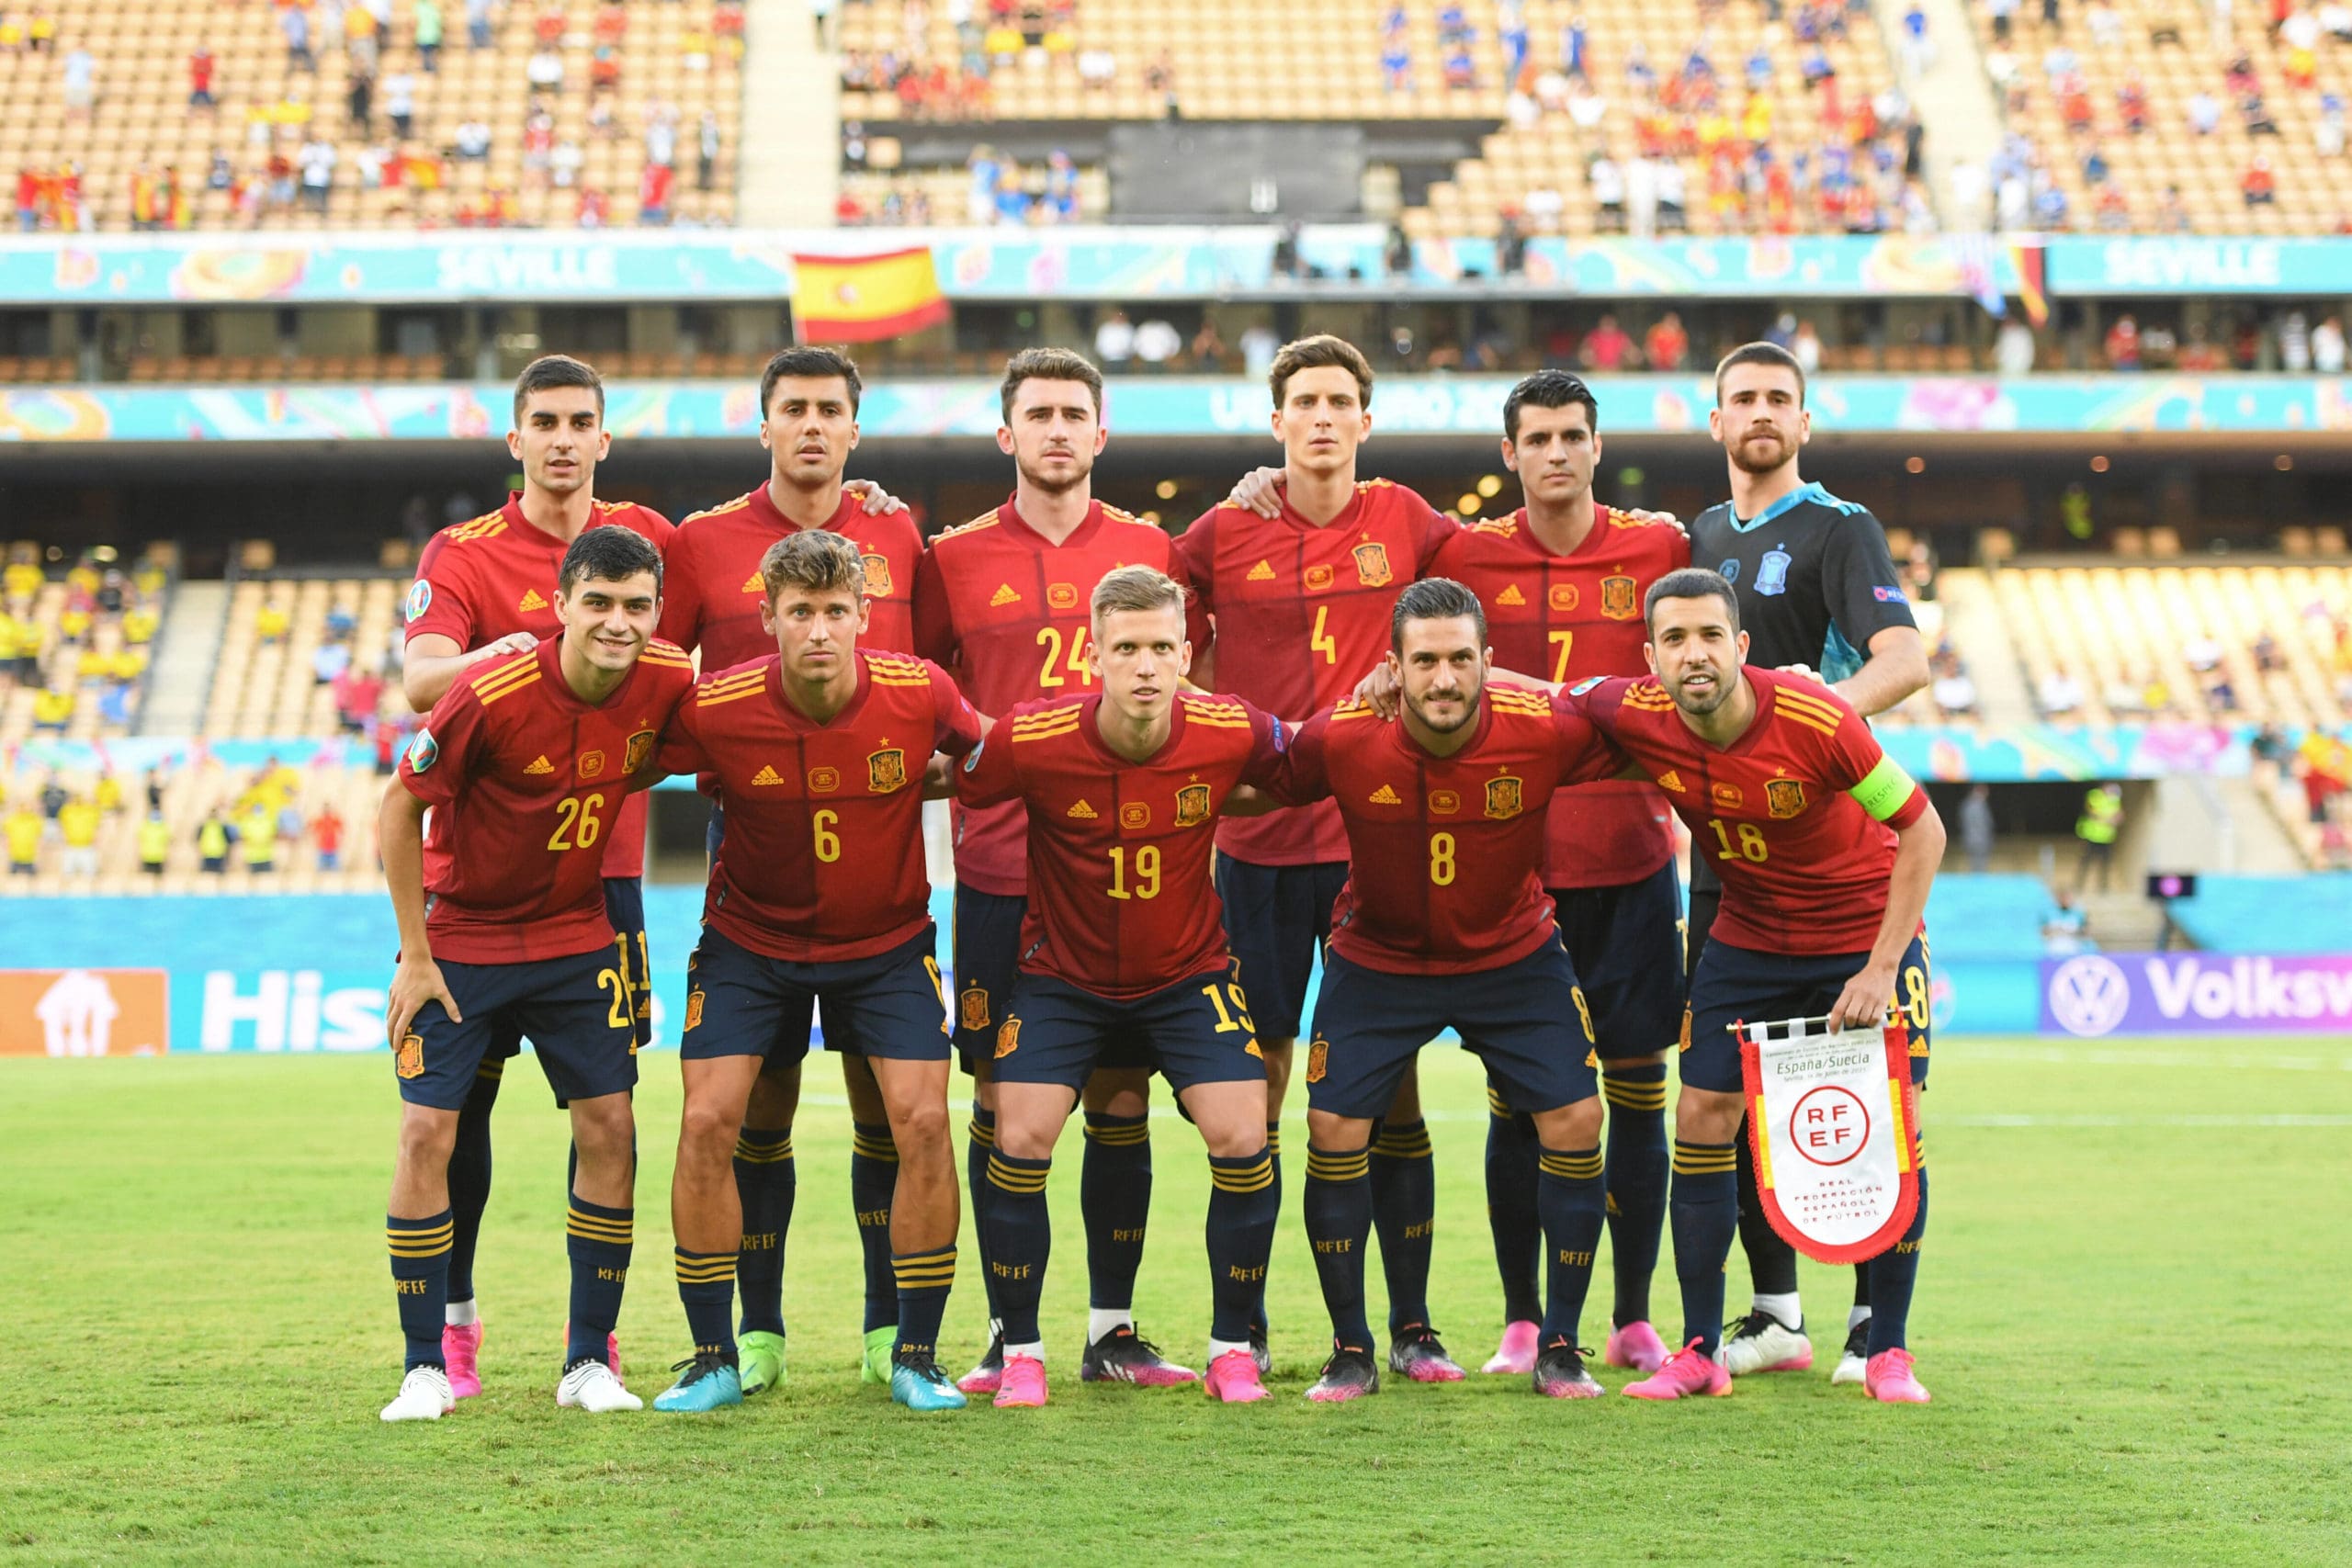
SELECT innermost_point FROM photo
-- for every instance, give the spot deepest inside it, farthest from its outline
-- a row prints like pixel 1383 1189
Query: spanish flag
pixel 865 298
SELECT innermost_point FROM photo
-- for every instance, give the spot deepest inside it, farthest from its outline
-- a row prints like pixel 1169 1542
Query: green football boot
pixel 761 1354
pixel 876 1368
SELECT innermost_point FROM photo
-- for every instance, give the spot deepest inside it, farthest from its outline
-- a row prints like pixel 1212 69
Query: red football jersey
pixel 711 591
pixel 823 857
pixel 1443 852
pixel 1805 865
pixel 480 580
pixel 1119 852
pixel 1007 610
pixel 524 781
pixel 1302 616
pixel 1563 618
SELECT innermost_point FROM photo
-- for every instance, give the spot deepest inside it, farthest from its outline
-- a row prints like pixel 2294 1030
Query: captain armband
pixel 1884 790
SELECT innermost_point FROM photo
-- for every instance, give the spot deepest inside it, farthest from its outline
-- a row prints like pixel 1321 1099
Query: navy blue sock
pixel 1704 1206
pixel 1021 1238
pixel 1114 1201
pixel 924 1279
pixel 420 1250
pixel 470 1168
pixel 1258 1324
pixel 982 1143
pixel 1893 1275
pixel 766 1181
pixel 1245 1198
pixel 1337 1210
pixel 873 1182
pixel 706 1289
pixel 599 1241
pixel 1568 1194
pixel 1404 1209
pixel 1510 1207
pixel 1635 1179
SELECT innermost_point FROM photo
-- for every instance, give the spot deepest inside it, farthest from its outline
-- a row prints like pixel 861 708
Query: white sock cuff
pixel 1783 1307
pixel 459 1315
pixel 1102 1320
pixel 1035 1350
pixel 1226 1347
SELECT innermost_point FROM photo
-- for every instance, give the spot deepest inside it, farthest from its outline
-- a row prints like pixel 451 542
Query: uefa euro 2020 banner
pixel 2095 994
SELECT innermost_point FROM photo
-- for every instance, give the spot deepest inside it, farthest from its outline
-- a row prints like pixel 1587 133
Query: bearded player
pixel 1444 924
pixel 1301 602
pixel 1002 602
pixel 1817 592
pixel 484 589
pixel 1826 848
pixel 718 604
pixel 1562 581
pixel 818 895
pixel 525 764
pixel 1123 942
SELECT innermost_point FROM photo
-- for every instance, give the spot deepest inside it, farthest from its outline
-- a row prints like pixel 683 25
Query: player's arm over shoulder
pixel 991 770
pixel 1585 753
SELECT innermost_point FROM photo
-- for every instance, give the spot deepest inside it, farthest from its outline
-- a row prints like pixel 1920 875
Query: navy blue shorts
pixel 988 962
pixel 1526 1020
pixel 1194 1032
pixel 1626 942
pixel 577 1010
pixel 740 1003
pixel 837 1038
pixel 1738 985
pixel 1275 917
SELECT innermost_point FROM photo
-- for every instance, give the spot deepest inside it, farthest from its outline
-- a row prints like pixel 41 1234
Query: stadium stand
pixel 294 650
pixel 74 660
pixel 2154 115
pixel 170 114
pixel 1612 115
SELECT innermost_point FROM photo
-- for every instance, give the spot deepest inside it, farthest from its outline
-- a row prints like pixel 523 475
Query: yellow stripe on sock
pixel 1632 1096
pixel 1012 1178
pixel 1574 1167
pixel 1248 1179
pixel 1122 1136
pixel 883 1149
pixel 1413 1146
pixel 1494 1104
pixel 751 1152
pixel 984 1137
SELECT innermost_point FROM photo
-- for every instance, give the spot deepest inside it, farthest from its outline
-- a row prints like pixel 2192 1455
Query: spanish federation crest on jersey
pixel 877 576
pixel 1784 798
pixel 1619 598
pixel 639 749
pixel 1192 805
pixel 886 770
pixel 1371 564
pixel 1504 798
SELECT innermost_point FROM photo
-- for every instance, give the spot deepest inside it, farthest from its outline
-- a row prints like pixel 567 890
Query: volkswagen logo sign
pixel 2089 996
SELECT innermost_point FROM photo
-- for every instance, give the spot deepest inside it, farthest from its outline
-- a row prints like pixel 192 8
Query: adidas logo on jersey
pixel 1082 812
pixel 767 775
pixel 1003 595
pixel 1384 795
pixel 531 600
pixel 1670 780
pixel 1510 595
pixel 753 584
pixel 1262 572
pixel 540 766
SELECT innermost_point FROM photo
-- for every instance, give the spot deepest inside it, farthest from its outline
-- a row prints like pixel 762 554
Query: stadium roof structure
pixel 1130 263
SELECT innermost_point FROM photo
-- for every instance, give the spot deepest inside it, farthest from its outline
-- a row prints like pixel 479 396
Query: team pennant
pixel 1834 1120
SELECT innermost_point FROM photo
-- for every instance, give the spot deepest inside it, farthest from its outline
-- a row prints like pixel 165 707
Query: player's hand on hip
pixel 876 501
pixel 1378 690
pixel 1260 489
pixel 1863 1003
pixel 418 981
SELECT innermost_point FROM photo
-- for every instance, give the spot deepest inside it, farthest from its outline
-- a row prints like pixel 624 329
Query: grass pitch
pixel 2128 1312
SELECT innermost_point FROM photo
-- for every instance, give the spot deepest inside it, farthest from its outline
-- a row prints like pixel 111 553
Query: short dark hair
pixel 1048 364
pixel 608 554
pixel 1770 354
pixel 815 364
pixel 1319 351
pixel 1549 389
pixel 815 559
pixel 1434 598
pixel 1691 582
pixel 552 370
